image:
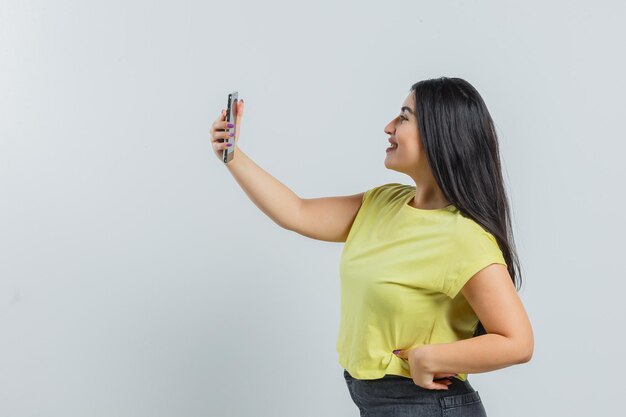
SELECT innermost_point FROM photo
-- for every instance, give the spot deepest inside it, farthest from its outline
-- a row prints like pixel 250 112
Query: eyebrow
pixel 405 108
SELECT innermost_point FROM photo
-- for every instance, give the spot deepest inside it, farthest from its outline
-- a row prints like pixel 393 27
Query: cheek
pixel 408 140
pixel 409 147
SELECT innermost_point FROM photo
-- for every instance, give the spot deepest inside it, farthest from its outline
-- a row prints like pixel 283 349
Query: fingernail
pixel 396 351
pixel 230 125
pixel 229 144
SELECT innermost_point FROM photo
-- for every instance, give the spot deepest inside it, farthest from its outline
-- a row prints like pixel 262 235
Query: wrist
pixel 236 152
pixel 423 357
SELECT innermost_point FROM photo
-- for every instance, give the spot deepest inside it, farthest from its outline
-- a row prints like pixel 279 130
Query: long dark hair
pixel 461 145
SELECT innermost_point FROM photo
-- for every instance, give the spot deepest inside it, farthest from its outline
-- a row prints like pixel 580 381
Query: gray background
pixel 137 278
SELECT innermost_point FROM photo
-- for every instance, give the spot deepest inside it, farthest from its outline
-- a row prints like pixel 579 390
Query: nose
pixel 390 128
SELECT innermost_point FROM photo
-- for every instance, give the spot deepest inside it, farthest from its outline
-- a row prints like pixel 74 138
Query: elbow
pixel 523 346
pixel 526 353
pixel 526 358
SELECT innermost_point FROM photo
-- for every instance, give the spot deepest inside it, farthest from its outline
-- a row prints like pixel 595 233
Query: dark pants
pixel 398 396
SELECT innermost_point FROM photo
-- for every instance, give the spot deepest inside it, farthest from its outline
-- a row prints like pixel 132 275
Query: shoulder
pixel 386 191
pixel 468 227
pixel 470 236
pixel 474 248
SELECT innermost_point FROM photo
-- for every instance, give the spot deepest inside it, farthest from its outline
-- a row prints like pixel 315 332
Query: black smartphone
pixel 231 116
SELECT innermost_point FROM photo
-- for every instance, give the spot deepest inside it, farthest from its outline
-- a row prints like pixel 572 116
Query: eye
pixel 403 118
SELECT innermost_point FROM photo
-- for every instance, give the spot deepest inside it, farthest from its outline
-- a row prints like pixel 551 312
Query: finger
pixel 400 353
pixel 221 136
pixel 219 146
pixel 444 375
pixel 433 385
pixel 221 117
pixel 217 123
pixel 221 125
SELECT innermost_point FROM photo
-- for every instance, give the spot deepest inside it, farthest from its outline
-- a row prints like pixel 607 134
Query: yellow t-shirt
pixel 402 270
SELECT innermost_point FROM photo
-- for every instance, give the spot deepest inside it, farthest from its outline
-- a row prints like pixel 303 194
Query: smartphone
pixel 231 116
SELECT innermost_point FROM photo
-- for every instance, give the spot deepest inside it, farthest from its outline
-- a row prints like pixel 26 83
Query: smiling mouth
pixel 392 147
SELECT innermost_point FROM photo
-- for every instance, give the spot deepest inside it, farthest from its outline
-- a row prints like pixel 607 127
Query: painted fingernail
pixel 230 125
pixel 396 351
pixel 229 144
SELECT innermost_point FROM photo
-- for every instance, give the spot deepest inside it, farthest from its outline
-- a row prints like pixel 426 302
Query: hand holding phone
pixel 225 129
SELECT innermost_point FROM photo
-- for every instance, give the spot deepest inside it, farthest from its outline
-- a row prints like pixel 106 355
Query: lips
pixel 394 145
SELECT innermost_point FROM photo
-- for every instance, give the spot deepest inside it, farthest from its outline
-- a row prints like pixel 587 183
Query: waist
pixel 457 385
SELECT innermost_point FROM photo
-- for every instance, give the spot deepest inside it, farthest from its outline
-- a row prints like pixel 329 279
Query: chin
pixel 393 166
pixel 389 165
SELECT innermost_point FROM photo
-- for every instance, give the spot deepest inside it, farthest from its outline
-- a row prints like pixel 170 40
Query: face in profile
pixel 405 155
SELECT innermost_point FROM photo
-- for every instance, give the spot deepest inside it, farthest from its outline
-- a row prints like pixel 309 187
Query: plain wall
pixel 138 279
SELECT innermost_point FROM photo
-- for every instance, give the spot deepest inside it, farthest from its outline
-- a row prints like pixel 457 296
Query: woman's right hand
pixel 220 132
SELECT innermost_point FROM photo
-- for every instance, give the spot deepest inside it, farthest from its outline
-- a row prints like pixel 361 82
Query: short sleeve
pixel 374 201
pixel 474 251
pixel 373 193
pixel 368 194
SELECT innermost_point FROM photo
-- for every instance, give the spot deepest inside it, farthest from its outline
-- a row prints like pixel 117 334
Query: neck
pixel 428 195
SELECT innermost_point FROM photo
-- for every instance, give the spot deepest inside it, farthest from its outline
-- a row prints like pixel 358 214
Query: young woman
pixel 428 271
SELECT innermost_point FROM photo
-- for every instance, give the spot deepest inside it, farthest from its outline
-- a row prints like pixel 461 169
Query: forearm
pixel 271 196
pixel 483 353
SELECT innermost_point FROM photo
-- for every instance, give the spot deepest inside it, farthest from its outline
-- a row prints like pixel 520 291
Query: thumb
pixel 239 114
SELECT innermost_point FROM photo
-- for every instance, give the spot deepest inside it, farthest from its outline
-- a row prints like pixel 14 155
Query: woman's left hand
pixel 420 375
